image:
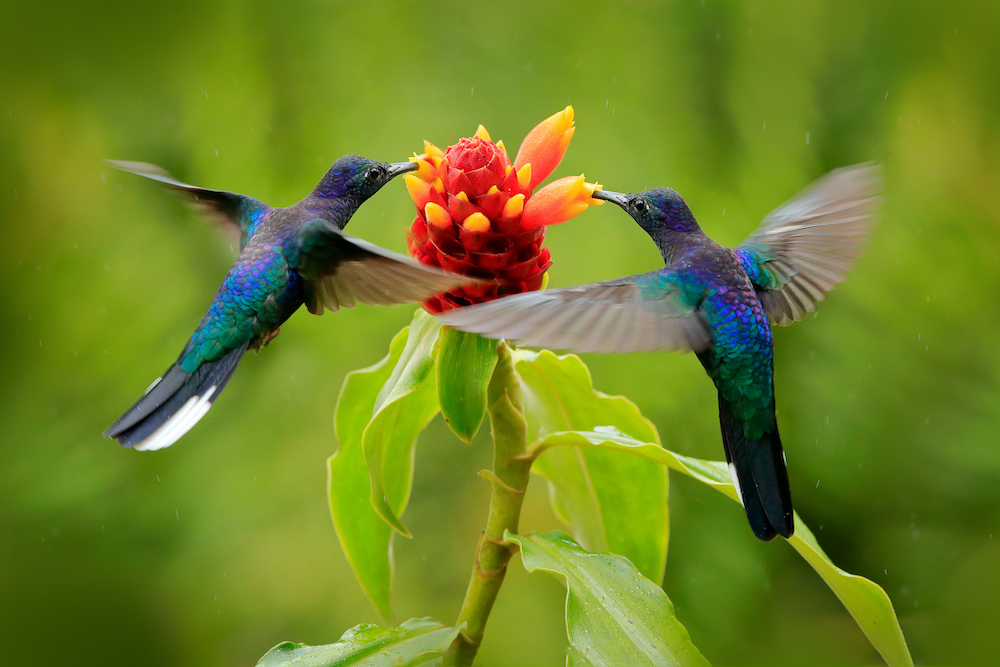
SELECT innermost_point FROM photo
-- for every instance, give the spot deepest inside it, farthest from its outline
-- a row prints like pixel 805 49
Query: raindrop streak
pixel 177 512
pixel 807 138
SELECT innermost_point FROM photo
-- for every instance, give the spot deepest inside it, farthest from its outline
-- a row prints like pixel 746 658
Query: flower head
pixel 478 213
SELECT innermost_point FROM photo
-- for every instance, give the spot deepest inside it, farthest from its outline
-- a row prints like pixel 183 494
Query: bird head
pixel 656 210
pixel 358 178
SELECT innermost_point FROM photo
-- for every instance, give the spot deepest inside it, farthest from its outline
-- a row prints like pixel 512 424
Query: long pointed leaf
pixel 866 601
pixel 465 363
pixel 406 403
pixel 364 536
pixel 611 503
pixel 415 642
pixel 614 615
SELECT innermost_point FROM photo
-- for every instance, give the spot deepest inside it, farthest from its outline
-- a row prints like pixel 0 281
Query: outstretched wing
pixel 340 270
pixel 643 312
pixel 224 208
pixel 807 245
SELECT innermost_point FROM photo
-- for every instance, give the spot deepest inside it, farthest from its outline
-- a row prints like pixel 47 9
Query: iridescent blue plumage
pixel 715 301
pixel 289 256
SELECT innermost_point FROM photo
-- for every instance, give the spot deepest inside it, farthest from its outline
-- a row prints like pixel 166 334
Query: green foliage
pixel 865 600
pixel 607 474
pixel 364 536
pixel 405 404
pixel 586 485
pixel 380 412
pixel 614 615
pixel 465 363
pixel 415 642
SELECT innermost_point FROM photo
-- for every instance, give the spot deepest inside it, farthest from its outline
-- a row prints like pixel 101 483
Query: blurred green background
pixel 214 550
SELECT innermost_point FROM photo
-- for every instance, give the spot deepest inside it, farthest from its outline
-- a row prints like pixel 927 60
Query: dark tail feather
pixel 174 404
pixel 758 471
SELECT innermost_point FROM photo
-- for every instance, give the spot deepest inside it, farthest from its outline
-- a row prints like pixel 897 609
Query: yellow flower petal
pixel 524 177
pixel 482 133
pixel 477 222
pixel 513 207
pixel 437 215
pixel 420 190
pixel 430 150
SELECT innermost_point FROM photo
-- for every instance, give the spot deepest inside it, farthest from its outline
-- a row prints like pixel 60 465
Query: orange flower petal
pixel 426 170
pixel 558 202
pixel 545 145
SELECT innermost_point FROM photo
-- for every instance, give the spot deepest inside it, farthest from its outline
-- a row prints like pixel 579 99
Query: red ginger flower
pixel 478 214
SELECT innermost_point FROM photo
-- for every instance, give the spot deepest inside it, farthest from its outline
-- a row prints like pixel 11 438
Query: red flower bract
pixel 477 214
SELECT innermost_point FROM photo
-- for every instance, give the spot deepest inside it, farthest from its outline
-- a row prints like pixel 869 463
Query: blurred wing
pixel 632 314
pixel 806 246
pixel 340 270
pixel 224 208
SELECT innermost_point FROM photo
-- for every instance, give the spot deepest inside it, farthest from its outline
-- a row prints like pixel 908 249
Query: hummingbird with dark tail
pixel 288 257
pixel 714 301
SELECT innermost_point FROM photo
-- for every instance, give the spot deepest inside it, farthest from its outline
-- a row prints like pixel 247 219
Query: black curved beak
pixel 612 196
pixel 397 168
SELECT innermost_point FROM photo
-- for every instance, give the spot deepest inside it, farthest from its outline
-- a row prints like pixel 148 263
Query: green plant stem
pixel 509 479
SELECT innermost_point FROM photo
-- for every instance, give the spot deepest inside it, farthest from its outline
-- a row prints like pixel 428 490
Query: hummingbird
pixel 715 301
pixel 288 257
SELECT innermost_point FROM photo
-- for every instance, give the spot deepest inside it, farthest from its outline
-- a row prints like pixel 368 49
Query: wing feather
pixel 341 270
pixel 622 315
pixel 227 209
pixel 807 245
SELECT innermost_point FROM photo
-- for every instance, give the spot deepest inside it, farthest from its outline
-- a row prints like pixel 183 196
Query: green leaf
pixel 465 363
pixel 364 536
pixel 866 601
pixel 415 642
pixel 404 406
pixel 614 615
pixel 611 503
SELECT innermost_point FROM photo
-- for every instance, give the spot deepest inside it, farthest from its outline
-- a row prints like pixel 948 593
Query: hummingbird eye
pixel 640 206
pixel 376 173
